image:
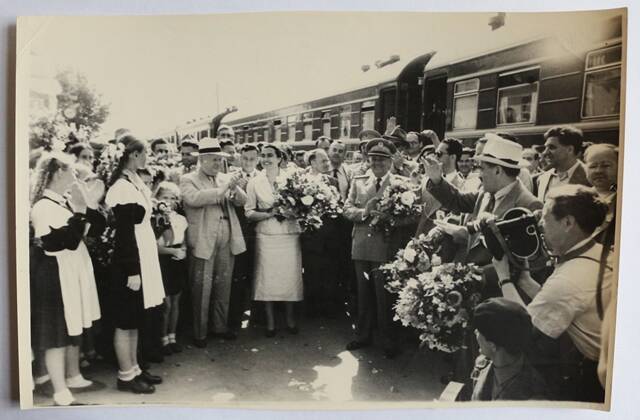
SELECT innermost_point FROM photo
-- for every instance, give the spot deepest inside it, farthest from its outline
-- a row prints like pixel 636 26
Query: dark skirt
pixel 174 274
pixel 48 324
pixel 128 305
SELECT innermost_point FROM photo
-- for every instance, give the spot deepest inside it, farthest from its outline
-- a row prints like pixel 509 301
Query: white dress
pixel 278 262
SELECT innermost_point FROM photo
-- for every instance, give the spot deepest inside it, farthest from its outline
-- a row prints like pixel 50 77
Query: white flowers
pixel 307 200
pixel 409 254
pixel 408 198
pixel 291 200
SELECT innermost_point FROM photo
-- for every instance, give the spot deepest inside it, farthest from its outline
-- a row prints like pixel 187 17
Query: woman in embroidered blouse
pixel 64 300
pixel 136 276
pixel 278 267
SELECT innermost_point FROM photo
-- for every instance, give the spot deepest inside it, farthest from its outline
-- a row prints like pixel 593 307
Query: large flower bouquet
pixel 418 256
pixel 399 202
pixel 439 303
pixel 307 200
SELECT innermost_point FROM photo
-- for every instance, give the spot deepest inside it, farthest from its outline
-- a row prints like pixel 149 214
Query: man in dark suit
pixel 242 279
pixel 370 247
pixel 319 257
pixel 563 145
pixel 501 191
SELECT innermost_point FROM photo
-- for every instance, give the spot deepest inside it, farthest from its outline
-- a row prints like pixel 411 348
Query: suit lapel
pixel 508 201
pixel 545 179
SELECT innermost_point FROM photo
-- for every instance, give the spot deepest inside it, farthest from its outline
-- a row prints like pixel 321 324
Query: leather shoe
pixel 175 347
pixel 149 378
pixel 200 342
pixel 166 350
pixel 270 333
pixel 293 330
pixel 136 385
pixel 355 345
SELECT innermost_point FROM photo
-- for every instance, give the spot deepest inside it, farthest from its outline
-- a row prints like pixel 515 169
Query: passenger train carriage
pixel 522 89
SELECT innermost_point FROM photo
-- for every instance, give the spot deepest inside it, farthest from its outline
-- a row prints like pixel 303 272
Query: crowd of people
pixel 195 241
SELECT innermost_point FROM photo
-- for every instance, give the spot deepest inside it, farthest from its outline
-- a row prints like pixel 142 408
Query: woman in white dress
pixel 136 276
pixel 278 266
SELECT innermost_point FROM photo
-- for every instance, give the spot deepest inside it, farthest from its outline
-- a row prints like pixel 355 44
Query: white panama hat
pixel 501 152
pixel 209 146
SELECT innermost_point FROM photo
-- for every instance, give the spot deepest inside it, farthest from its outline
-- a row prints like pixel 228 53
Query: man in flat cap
pixel 214 237
pixel 370 247
pixel 502 371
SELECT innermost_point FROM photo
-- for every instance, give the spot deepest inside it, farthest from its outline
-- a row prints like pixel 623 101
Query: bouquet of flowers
pixel 306 200
pixel 101 248
pixel 399 201
pixel 417 257
pixel 439 303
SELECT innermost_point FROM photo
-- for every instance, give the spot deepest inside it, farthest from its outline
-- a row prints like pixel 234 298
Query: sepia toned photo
pixel 319 210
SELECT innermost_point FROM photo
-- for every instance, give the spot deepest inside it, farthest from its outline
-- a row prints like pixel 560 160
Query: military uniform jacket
pixel 368 244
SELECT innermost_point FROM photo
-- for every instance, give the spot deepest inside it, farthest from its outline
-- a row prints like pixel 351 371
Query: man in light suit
pixel 370 247
pixel 561 148
pixel 501 191
pixel 214 236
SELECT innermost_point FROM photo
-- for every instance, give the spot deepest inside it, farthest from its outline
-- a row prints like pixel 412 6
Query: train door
pixel 434 112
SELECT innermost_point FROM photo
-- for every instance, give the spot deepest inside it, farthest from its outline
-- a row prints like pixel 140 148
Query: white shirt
pixel 567 302
pixel 562 178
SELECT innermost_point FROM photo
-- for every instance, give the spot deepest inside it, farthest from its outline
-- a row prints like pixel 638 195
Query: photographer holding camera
pixel 566 302
pixel 501 191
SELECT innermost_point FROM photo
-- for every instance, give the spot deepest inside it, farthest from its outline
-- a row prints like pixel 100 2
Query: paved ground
pixel 312 366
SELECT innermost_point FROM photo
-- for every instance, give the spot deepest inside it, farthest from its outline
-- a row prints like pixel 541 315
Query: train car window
pixel 518 97
pixel 326 124
pixel 277 134
pixel 345 122
pixel 367 115
pixel 465 104
pixel 601 90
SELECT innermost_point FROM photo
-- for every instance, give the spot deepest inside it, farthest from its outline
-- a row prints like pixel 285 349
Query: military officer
pixel 370 247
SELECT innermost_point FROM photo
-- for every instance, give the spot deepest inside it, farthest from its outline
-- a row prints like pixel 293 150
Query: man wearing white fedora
pixel 501 190
pixel 214 237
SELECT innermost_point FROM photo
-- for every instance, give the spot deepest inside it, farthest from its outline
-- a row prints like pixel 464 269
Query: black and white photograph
pixel 319 210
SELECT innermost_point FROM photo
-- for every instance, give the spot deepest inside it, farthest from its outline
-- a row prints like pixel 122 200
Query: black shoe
pixel 293 330
pixel 270 333
pixel 355 345
pixel 175 347
pixel 391 353
pixel 149 378
pixel 200 342
pixel 166 350
pixel 136 385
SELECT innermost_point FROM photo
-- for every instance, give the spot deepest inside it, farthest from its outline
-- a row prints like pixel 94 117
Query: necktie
pixel 378 182
pixel 335 173
pixel 490 204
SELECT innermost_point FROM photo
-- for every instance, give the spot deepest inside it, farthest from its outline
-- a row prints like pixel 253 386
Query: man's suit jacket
pixel 368 243
pixel 477 202
pixel 579 176
pixel 203 202
pixel 321 240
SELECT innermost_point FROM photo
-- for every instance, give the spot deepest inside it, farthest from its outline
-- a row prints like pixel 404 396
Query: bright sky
pixel 159 72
